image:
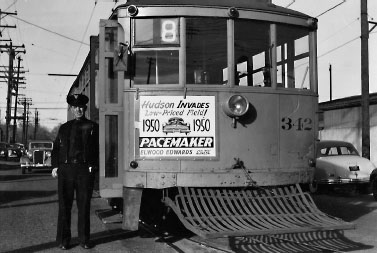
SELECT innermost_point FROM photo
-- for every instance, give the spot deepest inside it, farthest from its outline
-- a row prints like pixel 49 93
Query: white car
pixel 339 163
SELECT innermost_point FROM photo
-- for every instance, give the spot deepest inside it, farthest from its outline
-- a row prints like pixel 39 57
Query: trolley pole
pixel 365 122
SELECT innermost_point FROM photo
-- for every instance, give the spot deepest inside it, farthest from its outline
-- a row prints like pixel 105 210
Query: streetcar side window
pixel 206 50
pixel 292 57
pixel 156 51
pixel 111 91
pixel 252 53
pixel 111 146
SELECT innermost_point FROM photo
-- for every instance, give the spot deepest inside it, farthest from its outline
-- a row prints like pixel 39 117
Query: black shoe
pixel 64 246
pixel 86 245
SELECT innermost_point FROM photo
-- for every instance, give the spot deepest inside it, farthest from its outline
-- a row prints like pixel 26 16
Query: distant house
pixel 340 119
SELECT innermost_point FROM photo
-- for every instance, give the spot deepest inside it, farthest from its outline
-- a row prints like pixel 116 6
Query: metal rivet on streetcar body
pixel 233 12
pixel 134 164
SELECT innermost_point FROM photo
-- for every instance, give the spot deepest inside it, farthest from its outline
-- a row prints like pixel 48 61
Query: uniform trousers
pixel 74 178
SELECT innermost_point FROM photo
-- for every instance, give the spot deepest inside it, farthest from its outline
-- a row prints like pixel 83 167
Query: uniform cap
pixel 78 100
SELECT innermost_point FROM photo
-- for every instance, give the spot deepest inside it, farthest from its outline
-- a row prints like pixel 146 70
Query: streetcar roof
pixel 262 5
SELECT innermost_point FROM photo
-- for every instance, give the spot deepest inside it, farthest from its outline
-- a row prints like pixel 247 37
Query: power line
pixel 14 2
pixel 83 37
pixel 340 46
pixel 47 30
pixel 331 8
pixel 293 1
pixel 335 33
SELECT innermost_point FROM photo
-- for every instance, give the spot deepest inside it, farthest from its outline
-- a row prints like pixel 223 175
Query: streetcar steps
pixel 212 213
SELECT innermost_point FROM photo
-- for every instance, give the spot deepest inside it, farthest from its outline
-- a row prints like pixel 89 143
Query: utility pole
pixel 6 26
pixel 26 102
pixel 12 51
pixel 10 74
pixel 330 70
pixel 365 122
pixel 15 101
pixel 11 57
pixel 36 119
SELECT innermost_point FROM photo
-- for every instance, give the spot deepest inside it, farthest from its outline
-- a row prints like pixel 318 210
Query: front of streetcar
pixel 206 94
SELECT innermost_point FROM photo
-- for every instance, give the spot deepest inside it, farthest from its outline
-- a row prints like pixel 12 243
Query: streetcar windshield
pixel 156 51
pixel 206 50
pixel 252 53
pixel 292 57
pixel 164 53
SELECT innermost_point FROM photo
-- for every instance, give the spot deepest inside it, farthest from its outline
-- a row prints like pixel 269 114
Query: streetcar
pixel 208 109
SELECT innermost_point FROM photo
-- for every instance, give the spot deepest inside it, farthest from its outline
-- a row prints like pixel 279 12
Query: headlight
pixel 30 155
pixel 48 153
pixel 236 106
pixel 132 10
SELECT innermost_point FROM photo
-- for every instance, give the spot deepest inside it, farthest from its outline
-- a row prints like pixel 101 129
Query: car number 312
pixel 299 124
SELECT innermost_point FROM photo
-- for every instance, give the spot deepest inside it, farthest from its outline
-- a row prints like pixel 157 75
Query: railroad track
pixel 263 243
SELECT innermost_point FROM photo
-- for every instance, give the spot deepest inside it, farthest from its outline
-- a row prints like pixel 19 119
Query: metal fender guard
pixel 212 213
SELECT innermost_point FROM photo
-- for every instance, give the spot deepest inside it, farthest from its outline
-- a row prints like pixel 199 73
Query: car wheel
pixel 374 188
pixel 23 170
pixel 365 188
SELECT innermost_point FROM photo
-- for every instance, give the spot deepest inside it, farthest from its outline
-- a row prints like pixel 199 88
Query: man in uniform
pixel 74 160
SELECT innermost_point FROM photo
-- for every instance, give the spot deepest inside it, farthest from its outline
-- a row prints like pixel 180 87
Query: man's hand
pixel 54 172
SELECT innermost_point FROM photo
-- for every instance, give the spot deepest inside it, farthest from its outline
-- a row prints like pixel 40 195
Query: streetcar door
pixel 110 102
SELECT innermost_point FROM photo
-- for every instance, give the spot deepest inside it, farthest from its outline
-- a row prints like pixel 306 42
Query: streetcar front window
pixel 292 57
pixel 157 32
pixel 206 50
pixel 156 51
pixel 156 67
pixel 252 53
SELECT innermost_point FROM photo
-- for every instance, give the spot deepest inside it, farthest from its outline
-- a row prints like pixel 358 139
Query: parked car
pixel 21 147
pixel 14 152
pixel 9 151
pixel 339 163
pixel 38 155
pixel 3 151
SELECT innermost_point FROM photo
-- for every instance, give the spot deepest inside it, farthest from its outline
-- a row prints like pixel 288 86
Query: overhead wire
pixel 293 1
pixel 339 30
pixel 14 2
pixel 78 51
pixel 340 46
pixel 331 8
pixel 82 39
pixel 53 32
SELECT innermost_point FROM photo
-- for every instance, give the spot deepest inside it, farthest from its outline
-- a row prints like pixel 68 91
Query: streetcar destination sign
pixel 173 126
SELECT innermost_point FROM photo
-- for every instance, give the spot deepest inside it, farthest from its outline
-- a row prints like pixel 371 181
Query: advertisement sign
pixel 173 126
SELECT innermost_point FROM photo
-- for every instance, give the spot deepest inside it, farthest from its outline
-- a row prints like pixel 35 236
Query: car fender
pixel 373 175
pixel 24 159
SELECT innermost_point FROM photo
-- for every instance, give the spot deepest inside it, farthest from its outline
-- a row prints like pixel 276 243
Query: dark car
pixel 14 152
pixel 3 151
pixel 9 151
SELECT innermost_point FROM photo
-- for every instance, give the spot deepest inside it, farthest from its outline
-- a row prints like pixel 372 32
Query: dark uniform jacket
pixel 89 143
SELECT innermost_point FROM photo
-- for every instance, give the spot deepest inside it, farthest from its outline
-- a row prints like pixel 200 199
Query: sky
pixel 56 38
